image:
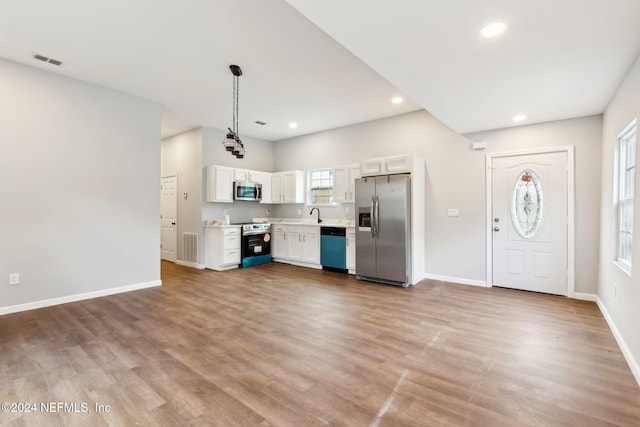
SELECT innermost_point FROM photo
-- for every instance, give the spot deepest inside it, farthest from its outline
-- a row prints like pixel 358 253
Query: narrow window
pixel 626 155
pixel 320 186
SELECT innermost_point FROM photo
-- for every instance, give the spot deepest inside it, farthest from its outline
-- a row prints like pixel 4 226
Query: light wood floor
pixel 276 345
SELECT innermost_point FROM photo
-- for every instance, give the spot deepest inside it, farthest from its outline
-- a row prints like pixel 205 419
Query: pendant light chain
pixel 237 104
pixel 232 142
pixel 234 123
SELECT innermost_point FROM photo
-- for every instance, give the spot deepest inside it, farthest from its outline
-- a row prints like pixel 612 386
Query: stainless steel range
pixel 256 244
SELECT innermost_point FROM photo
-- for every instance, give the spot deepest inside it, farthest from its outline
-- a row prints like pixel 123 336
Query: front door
pixel 168 215
pixel 529 221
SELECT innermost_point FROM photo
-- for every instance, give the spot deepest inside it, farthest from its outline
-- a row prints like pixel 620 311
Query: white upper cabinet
pixel 263 178
pixel 220 184
pixel 399 164
pixel 344 182
pixel 249 175
pixel 240 175
pixel 220 181
pixel 387 165
pixel 287 187
pixel 372 167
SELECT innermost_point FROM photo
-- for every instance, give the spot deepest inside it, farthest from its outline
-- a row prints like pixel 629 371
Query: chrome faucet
pixel 311 213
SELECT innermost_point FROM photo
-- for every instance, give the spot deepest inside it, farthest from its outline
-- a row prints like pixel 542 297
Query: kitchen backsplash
pixel 326 212
pixel 242 212
pixel 239 212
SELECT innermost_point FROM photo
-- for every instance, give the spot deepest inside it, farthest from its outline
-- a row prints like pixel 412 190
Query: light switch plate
pixel 453 212
pixel 14 278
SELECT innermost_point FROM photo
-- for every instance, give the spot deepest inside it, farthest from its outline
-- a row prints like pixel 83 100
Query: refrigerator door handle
pixel 373 218
pixel 377 207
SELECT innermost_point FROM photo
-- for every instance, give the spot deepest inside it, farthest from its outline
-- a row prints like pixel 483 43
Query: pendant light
pixel 232 142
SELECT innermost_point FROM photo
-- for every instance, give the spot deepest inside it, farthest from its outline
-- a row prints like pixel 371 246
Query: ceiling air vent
pixel 258 122
pixel 47 59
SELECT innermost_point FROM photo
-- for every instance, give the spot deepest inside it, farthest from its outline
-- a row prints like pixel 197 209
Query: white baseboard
pixel 78 297
pixel 191 264
pixel 458 280
pixel 633 364
pixel 585 297
pixel 306 264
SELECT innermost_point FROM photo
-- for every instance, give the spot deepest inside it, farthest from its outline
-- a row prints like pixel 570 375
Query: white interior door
pixel 529 221
pixel 168 217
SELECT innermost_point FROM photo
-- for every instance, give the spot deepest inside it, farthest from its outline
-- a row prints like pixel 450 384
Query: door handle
pixel 377 206
pixel 496 228
pixel 173 223
pixel 372 218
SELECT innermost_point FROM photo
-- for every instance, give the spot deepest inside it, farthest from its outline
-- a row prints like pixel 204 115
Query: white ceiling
pixel 557 59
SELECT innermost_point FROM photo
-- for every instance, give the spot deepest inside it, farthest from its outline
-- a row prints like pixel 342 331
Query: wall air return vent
pixel 43 58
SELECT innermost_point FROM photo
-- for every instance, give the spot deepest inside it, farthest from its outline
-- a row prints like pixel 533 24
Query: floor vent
pixel 190 247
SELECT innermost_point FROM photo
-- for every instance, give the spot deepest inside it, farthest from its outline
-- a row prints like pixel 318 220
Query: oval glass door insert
pixel 526 204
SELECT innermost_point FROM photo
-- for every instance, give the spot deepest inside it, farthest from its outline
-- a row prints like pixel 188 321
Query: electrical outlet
pixel 14 278
pixel 346 209
pixel 299 211
pixel 268 212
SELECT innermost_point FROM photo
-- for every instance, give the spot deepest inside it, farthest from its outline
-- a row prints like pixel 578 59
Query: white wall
pixel 585 134
pixel 455 247
pixel 79 187
pixel 623 307
pixel 182 154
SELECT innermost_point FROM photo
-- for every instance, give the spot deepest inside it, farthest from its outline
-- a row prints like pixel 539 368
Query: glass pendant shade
pixel 238 149
pixel 229 142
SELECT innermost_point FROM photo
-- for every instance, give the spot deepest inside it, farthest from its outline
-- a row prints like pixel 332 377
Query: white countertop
pixel 219 224
pixel 346 223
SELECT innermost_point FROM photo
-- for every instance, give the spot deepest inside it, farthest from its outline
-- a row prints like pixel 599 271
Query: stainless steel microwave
pixel 245 190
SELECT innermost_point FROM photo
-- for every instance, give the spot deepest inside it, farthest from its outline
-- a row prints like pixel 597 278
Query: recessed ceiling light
pixel 519 117
pixel 293 125
pixel 493 29
pixel 396 100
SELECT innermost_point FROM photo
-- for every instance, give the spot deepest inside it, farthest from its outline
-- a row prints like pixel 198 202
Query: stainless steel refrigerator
pixel 383 229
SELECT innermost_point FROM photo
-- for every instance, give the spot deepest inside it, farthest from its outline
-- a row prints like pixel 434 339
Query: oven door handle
pixel 254 233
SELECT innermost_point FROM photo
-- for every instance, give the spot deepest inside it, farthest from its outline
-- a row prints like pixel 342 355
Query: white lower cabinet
pixel 351 250
pixel 296 244
pixel 311 245
pixel 223 248
pixel 279 243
